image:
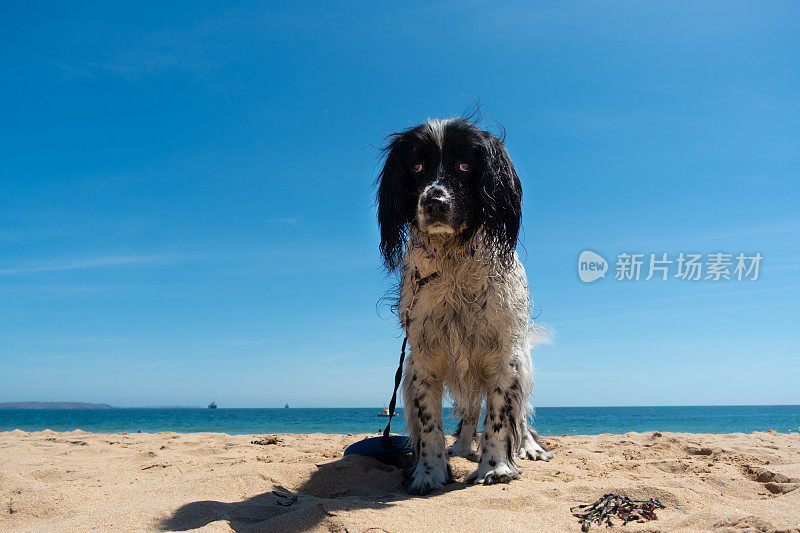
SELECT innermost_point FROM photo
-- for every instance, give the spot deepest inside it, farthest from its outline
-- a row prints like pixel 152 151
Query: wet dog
pixel 449 209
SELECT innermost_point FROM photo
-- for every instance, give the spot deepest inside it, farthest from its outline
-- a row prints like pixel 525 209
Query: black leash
pixel 386 441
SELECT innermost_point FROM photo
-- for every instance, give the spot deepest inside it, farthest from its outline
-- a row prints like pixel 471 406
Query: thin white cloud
pixel 288 221
pixel 30 234
pixel 87 263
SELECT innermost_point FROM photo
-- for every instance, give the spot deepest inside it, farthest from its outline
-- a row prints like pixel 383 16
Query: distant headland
pixel 54 405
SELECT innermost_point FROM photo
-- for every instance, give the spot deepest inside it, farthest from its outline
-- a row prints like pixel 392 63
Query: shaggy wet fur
pixel 468 325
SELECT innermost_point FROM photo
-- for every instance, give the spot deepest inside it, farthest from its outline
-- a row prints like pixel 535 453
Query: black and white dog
pixel 449 208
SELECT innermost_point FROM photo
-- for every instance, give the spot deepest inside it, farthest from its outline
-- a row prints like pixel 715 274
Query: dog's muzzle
pixel 435 210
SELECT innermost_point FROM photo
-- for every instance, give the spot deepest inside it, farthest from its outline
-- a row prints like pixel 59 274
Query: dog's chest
pixel 455 320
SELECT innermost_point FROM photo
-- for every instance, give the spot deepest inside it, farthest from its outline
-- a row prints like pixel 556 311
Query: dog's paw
pixel 532 449
pixel 489 474
pixel 428 477
pixel 461 448
pixel 534 452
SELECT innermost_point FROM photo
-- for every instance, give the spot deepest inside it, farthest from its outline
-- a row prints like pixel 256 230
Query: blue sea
pixel 548 421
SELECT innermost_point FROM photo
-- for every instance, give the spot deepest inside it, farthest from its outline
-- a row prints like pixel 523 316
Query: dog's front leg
pixel 422 395
pixel 500 437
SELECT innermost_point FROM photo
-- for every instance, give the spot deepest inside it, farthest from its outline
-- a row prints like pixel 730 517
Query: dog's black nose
pixel 436 208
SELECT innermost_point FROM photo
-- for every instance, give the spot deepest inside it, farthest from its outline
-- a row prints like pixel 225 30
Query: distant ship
pixel 212 405
pixel 286 406
pixel 386 413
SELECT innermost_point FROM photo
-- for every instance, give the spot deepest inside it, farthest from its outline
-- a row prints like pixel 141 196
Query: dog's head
pixel 448 177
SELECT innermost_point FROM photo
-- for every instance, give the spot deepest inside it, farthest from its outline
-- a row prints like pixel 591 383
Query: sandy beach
pixel 79 481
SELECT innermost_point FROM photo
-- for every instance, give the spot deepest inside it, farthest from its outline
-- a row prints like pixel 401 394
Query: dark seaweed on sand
pixel 626 509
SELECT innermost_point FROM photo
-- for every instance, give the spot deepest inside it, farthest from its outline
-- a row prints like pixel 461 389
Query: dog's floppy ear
pixel 501 199
pixel 395 203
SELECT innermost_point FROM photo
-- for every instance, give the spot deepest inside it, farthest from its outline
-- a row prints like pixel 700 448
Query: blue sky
pixel 186 202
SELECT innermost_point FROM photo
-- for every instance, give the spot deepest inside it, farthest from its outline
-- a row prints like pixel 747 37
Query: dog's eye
pixel 417 167
pixel 463 167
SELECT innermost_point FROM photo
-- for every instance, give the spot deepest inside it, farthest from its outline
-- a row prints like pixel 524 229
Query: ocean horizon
pixel 548 420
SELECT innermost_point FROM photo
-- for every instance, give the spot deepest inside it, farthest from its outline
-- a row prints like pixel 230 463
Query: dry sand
pixel 80 481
